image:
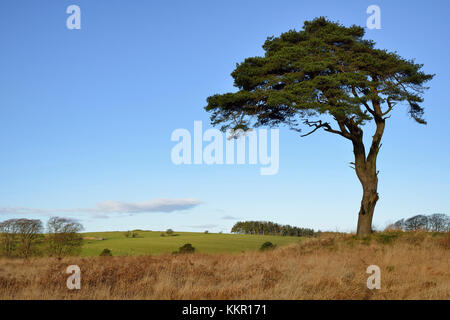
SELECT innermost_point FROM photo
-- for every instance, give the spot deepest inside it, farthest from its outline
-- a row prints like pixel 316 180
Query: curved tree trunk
pixel 368 202
pixel 366 171
pixel 365 167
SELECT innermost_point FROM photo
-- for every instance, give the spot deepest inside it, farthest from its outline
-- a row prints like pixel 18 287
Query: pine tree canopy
pixel 325 71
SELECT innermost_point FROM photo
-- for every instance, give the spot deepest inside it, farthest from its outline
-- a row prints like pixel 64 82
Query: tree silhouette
pixel 329 78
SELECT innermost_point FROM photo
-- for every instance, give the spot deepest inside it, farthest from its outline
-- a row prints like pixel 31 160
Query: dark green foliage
pixel 269 228
pixel 169 231
pixel 187 248
pixel 324 69
pixel 106 253
pixel 267 246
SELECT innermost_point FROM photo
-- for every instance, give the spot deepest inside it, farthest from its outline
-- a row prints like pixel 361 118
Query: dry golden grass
pixel 413 266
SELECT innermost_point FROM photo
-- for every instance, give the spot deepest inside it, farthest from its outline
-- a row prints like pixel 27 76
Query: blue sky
pixel 87 115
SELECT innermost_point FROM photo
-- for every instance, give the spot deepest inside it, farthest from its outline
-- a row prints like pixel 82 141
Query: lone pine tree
pixel 326 77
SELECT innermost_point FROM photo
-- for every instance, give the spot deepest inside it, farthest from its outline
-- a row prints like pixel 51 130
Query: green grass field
pixel 151 242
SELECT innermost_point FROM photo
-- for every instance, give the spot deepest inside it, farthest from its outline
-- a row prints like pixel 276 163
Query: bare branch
pixel 319 124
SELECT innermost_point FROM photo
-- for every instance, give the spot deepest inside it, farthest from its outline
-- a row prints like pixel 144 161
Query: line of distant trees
pixel 270 228
pixel 437 222
pixel 25 237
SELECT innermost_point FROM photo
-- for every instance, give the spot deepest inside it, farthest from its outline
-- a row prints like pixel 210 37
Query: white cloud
pixel 204 226
pixel 156 205
pixel 229 218
pixel 101 210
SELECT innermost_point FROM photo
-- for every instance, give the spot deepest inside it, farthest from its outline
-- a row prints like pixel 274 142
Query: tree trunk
pixel 368 202
pixel 367 174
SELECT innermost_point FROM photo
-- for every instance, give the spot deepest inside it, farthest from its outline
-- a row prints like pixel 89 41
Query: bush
pixel 187 248
pixel 106 253
pixel 132 234
pixel 206 231
pixel 163 235
pixel 267 246
pixel 169 231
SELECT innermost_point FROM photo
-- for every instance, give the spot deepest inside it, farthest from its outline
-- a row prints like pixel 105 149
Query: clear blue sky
pixel 86 115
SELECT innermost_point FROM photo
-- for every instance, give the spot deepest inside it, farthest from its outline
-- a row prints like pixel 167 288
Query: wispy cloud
pixel 204 226
pixel 157 205
pixel 22 210
pixel 102 209
pixel 227 217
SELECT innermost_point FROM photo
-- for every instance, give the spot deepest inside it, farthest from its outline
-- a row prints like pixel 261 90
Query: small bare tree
pixel 419 222
pixel 29 232
pixel 8 236
pixel 63 236
pixel 439 222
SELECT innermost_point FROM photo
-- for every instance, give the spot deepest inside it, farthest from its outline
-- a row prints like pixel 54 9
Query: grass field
pixel 151 242
pixel 331 266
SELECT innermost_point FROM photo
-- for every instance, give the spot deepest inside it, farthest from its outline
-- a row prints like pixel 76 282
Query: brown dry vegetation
pixel 413 266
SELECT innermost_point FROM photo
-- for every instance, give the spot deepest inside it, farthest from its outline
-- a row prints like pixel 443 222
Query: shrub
pixel 162 234
pixel 206 231
pixel 267 246
pixel 187 248
pixel 132 234
pixel 169 231
pixel 106 253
